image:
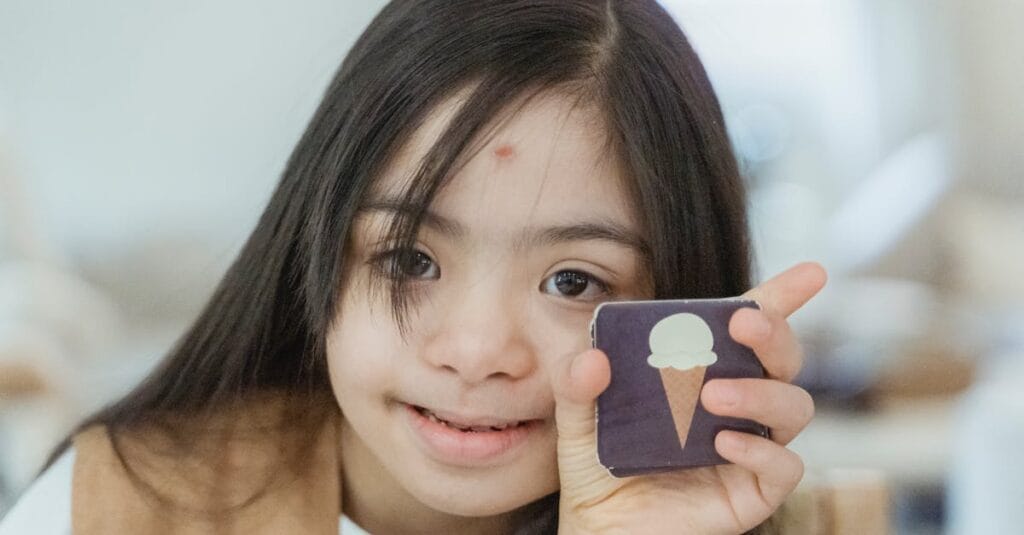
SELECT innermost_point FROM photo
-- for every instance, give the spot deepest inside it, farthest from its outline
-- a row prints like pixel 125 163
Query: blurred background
pixel 139 142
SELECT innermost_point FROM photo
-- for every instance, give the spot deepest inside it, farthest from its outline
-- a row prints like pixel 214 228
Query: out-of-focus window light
pixel 787 69
pixel 814 105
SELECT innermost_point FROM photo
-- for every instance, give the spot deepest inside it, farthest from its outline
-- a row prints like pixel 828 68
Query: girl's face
pixel 519 248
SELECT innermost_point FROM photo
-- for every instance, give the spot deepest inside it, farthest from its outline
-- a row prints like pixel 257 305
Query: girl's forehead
pixel 549 152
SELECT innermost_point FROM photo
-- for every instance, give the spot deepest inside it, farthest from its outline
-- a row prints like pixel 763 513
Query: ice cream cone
pixel 683 390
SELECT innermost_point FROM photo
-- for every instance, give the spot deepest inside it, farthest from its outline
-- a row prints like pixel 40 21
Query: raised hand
pixel 729 498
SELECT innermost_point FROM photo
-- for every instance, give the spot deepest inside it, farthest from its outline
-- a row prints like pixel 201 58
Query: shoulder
pixel 45 507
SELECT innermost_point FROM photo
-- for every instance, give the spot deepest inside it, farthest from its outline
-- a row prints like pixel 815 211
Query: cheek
pixel 359 353
pixel 355 364
pixel 557 334
pixel 558 330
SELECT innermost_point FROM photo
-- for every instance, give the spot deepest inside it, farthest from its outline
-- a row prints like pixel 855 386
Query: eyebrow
pixel 530 237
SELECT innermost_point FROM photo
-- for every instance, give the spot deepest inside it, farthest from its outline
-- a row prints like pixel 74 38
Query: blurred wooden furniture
pixel 836 502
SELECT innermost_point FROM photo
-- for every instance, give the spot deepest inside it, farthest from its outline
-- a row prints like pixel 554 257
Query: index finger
pixel 786 292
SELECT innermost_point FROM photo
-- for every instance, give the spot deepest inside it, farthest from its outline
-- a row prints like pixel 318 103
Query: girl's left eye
pixel 399 263
pixel 572 283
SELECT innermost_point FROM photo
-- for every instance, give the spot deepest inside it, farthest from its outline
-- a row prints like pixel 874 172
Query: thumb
pixel 576 387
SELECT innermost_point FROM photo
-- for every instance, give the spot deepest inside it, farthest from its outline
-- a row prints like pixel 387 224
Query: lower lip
pixel 466 448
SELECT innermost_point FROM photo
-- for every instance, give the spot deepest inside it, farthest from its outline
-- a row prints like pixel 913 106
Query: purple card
pixel 650 418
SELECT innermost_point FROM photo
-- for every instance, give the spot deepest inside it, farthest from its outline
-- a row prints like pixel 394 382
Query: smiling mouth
pixel 470 440
pixel 470 427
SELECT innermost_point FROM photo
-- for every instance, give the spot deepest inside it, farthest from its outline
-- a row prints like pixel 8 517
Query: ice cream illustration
pixel 681 349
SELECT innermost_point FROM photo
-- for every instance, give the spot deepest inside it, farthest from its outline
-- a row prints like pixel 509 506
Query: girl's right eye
pixel 401 263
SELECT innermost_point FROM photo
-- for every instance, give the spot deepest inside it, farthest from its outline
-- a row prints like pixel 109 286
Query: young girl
pixel 402 345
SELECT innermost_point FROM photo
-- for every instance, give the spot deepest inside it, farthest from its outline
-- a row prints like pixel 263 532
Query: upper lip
pixel 466 420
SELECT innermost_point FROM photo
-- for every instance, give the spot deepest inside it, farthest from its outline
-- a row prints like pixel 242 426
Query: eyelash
pixel 379 263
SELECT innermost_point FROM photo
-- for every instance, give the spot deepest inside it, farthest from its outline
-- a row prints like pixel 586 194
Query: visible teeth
pixel 475 428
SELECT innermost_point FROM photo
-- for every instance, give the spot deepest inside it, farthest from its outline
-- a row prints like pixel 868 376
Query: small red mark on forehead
pixel 504 151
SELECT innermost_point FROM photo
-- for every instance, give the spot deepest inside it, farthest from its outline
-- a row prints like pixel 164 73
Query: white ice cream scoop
pixel 681 341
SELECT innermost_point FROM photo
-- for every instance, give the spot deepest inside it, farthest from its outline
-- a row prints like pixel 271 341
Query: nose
pixel 481 337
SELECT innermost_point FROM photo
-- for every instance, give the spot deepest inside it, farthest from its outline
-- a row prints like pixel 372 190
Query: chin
pixel 477 498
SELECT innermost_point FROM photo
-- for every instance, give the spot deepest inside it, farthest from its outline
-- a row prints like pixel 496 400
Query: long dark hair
pixel 263 330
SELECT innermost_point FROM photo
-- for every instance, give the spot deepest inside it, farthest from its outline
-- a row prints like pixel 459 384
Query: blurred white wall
pixel 129 117
pixel 991 82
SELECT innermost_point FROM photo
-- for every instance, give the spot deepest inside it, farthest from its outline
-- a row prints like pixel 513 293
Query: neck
pixel 377 502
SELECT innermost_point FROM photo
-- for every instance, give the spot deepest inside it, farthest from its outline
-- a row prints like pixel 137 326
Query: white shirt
pixel 45 508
